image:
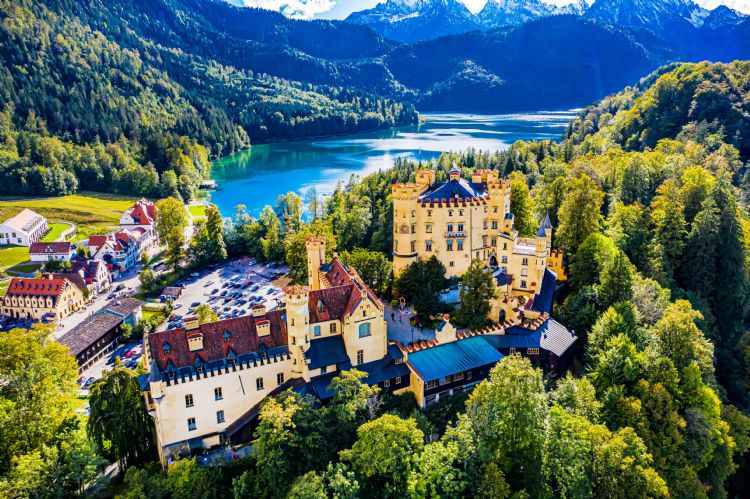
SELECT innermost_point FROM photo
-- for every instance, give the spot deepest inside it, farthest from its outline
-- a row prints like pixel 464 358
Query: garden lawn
pixel 11 256
pixel 55 230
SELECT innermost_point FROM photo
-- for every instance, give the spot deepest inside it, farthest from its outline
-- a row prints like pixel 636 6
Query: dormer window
pixel 321 306
pixel 166 348
pixel 227 336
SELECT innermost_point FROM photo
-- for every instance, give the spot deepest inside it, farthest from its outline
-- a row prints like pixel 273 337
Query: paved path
pixel 399 328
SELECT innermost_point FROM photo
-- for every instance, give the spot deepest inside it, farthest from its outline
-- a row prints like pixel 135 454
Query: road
pixel 129 280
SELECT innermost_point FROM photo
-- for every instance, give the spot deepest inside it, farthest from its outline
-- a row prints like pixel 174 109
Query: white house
pixel 58 251
pixel 24 229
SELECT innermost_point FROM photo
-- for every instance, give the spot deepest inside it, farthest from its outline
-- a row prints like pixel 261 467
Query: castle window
pixel 413 228
pixel 219 417
pixel 316 331
pixel 493 241
pixel 395 245
pixel 450 213
pixel 428 228
pixel 523 284
pixel 460 227
pixel 469 374
pixel 484 223
pixel 280 379
pixel 431 384
pixel 413 213
pixel 321 306
pixel 189 400
pixel 360 357
pixel 364 330
pixel 494 209
pixel 524 272
pixel 400 360
pixel 218 393
pixel 532 351
pixel 323 370
pixel 450 227
pixel 460 244
pixel 333 328
pixel 428 245
pixel 449 245
pixel 191 424
pixel 460 213
pixel 398 380
pixel 259 384
pixel 413 246
pixel 511 351
pixel 386 383
pixel 450 264
pixel 504 259
pixel 458 376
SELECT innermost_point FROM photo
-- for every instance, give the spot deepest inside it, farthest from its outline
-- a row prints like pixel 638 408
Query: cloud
pixel 297 9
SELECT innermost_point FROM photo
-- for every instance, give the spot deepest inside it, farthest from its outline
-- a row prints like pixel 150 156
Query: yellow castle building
pixel 459 221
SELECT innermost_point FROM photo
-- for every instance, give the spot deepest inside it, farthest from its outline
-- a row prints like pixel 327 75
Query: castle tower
pixel 543 246
pixel 455 173
pixel 297 319
pixel 405 206
pixel 316 257
pixel 424 178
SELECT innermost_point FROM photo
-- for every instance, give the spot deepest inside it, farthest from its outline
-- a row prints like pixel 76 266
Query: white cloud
pixel 297 9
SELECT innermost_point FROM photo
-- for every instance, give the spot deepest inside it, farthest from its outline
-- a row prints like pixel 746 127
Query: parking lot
pixel 130 354
pixel 231 289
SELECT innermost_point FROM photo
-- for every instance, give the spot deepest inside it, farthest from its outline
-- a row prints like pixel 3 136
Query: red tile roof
pixel 36 287
pixel 96 241
pixel 242 339
pixel 48 248
pixel 330 303
pixel 143 212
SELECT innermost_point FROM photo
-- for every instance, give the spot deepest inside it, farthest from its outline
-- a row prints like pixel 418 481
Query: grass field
pixel 197 210
pixel 55 229
pixel 13 255
pixel 83 209
pixel 4 287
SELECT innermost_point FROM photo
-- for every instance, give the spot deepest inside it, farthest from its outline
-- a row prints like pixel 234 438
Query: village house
pixel 48 298
pixel 58 251
pixel 23 229
pixel 120 249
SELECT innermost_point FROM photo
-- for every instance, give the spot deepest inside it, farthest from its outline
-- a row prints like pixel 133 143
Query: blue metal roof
pixel 326 351
pixel 454 189
pixel 395 352
pixel 515 337
pixel 551 336
pixel 455 357
pixel 543 300
pixel 322 385
pixel 381 370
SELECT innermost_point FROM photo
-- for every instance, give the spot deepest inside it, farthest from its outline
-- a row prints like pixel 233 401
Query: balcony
pixel 455 234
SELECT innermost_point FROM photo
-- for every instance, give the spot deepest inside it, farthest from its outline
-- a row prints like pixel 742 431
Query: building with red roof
pixel 57 251
pixel 48 298
pixel 206 381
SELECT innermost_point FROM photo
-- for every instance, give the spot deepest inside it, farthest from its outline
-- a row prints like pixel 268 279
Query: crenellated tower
pixel 405 200
pixel 297 323
pixel 316 257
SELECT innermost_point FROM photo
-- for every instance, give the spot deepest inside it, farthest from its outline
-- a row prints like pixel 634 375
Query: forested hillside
pixel 87 86
pixel 655 405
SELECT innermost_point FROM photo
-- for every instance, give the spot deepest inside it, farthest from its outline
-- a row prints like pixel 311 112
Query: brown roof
pixel 91 330
pixel 242 339
pixel 47 248
pixel 73 277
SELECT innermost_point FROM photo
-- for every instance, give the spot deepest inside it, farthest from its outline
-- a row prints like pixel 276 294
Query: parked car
pixel 214 291
pixel 89 382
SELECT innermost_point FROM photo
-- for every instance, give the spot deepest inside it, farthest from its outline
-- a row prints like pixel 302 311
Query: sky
pixel 339 9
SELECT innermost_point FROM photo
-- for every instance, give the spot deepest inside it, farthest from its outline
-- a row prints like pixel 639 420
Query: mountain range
pixel 416 20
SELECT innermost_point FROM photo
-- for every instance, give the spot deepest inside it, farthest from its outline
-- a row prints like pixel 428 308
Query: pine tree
pixel 616 282
pixel 698 271
pixel 477 289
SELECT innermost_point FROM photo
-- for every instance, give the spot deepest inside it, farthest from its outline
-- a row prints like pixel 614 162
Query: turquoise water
pixel 256 177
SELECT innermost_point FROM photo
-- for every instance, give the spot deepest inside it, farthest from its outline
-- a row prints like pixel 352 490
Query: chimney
pixel 259 310
pixel 195 341
pixel 263 327
pixel 191 323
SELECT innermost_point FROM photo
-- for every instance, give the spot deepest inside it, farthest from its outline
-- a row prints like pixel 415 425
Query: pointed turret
pixel 455 173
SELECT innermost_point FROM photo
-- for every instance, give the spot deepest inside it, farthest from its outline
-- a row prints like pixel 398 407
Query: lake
pixel 256 177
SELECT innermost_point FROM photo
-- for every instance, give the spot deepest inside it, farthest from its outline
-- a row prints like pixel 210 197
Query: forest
pixel 83 78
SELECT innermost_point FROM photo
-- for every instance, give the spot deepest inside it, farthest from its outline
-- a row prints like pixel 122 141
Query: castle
pixel 206 381
pixel 459 221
